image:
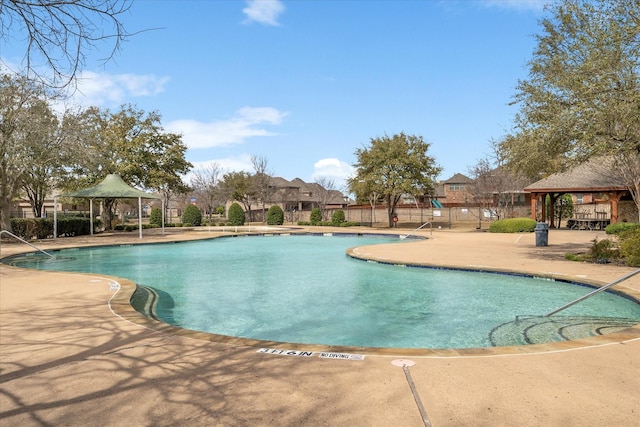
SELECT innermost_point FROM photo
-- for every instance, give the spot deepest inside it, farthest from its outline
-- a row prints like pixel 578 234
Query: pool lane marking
pixel 405 364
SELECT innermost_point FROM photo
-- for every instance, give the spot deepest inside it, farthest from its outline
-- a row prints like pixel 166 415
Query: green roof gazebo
pixel 112 186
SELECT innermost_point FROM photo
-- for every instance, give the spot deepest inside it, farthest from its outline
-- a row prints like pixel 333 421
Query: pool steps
pixel 543 329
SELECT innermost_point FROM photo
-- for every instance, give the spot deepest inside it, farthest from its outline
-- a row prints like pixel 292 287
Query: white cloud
pixel 103 89
pixel 333 168
pixel 519 4
pixel 229 164
pixel 263 11
pixel 247 122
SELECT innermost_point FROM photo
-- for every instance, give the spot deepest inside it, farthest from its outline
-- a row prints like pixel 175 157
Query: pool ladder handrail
pixel 24 241
pixel 590 294
pixel 413 231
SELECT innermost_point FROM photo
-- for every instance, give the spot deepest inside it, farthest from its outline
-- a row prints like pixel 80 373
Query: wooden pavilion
pixel 596 189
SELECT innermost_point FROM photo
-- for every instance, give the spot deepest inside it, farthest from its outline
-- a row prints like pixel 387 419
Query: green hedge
pixel 236 214
pixel 192 216
pixel 156 216
pixel 42 228
pixel 629 241
pixel 275 215
pixel 621 227
pixel 337 217
pixel 330 224
pixel 315 217
pixel 133 227
pixel 513 225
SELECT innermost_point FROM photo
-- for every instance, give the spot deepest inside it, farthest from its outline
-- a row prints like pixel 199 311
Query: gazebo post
pixel 140 217
pixel 91 216
pixel 162 216
pixel 55 217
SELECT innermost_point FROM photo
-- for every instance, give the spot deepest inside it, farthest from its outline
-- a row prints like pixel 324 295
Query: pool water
pixel 305 289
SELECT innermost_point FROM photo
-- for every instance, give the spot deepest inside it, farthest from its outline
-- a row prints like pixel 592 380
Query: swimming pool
pixel 304 289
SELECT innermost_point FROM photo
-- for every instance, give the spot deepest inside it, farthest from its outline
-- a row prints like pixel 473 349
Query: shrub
pixel 156 216
pixel 41 228
pixel 603 251
pixel 236 214
pixel 33 228
pixel 192 215
pixel 630 246
pixel 275 215
pixel 513 225
pixel 621 227
pixel 337 218
pixel 316 216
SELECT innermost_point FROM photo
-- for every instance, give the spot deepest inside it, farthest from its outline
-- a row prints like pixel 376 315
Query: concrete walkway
pixel 70 355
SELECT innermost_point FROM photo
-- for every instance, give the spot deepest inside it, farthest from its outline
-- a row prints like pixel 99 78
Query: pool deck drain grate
pixel 405 364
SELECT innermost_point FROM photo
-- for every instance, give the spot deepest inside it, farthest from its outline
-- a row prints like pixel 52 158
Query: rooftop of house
pixel 458 178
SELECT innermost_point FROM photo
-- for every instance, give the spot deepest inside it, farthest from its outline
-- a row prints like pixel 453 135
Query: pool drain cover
pixel 401 363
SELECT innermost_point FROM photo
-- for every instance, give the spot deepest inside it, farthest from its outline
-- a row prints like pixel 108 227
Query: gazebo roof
pixel 112 186
pixel 593 176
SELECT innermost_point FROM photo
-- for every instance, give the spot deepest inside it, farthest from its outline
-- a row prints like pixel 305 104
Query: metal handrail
pixel 590 294
pixel 413 231
pixel 24 241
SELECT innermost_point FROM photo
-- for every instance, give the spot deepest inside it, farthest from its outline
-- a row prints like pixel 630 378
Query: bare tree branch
pixel 58 34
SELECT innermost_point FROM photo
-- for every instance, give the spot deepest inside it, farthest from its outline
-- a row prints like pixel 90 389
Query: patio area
pixel 69 357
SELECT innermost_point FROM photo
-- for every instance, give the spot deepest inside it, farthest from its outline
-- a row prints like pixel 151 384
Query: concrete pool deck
pixel 66 358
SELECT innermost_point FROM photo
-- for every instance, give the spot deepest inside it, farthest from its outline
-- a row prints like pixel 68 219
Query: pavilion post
pixel 55 217
pixel 91 216
pixel 140 217
pixel 162 216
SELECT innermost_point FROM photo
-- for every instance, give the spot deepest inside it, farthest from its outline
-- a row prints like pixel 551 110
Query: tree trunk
pixel 5 215
pixel 392 202
pixel 109 207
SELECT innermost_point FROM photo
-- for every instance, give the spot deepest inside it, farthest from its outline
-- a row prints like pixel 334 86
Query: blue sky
pixel 304 83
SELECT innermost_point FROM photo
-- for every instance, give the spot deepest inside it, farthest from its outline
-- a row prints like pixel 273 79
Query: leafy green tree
pixel 582 97
pixel 192 215
pixel 275 215
pixel 393 166
pixel 130 143
pixel 240 186
pixel 236 214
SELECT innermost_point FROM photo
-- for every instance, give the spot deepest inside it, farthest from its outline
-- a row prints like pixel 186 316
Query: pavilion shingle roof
pixel 594 175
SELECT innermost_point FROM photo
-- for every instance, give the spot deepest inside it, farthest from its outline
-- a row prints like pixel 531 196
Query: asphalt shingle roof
pixel 596 174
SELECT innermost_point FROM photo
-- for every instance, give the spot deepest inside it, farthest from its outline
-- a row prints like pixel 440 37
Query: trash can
pixel 542 234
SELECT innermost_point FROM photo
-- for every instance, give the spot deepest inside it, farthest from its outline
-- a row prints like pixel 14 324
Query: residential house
pixel 454 191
